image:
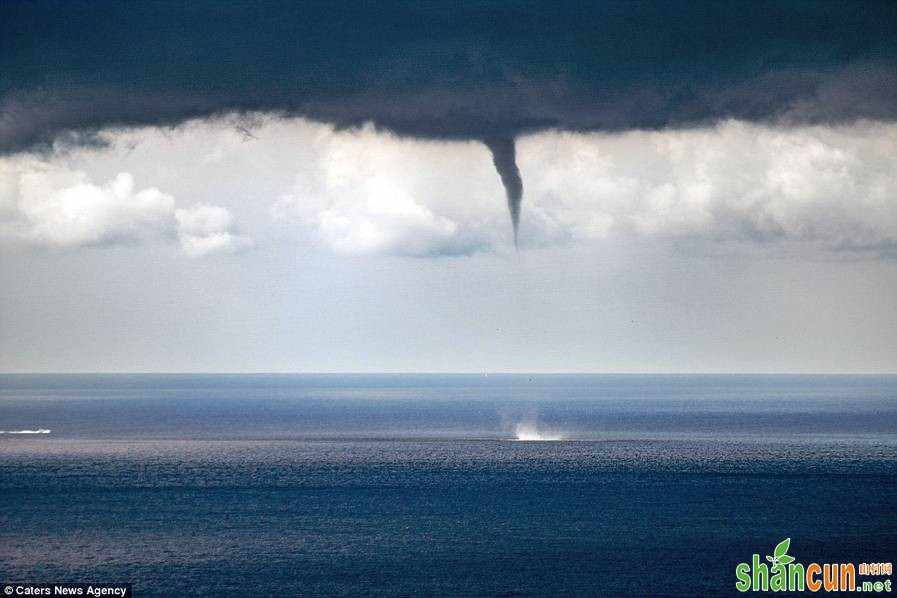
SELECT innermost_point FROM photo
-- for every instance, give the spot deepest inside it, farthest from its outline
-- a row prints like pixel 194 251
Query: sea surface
pixel 436 485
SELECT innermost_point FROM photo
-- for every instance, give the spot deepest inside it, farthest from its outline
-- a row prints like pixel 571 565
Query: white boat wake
pixel 38 431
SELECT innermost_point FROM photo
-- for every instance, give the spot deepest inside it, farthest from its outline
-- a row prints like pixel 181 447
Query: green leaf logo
pixel 779 557
pixel 782 548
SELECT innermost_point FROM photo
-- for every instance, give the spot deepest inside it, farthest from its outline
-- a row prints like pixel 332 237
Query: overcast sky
pixel 338 208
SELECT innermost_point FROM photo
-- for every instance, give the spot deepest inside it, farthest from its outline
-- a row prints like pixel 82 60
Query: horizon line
pixel 440 373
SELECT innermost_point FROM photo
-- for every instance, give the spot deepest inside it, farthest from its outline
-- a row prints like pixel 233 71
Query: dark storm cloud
pixel 457 70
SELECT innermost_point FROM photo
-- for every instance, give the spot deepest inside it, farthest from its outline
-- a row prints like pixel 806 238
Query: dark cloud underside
pixel 474 70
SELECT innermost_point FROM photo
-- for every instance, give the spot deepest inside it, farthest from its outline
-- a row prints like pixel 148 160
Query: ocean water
pixel 419 485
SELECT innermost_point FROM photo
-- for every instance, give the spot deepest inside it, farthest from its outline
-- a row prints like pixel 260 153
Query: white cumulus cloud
pixel 364 192
pixel 206 229
pixel 66 209
pixel 53 206
pixel 836 187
